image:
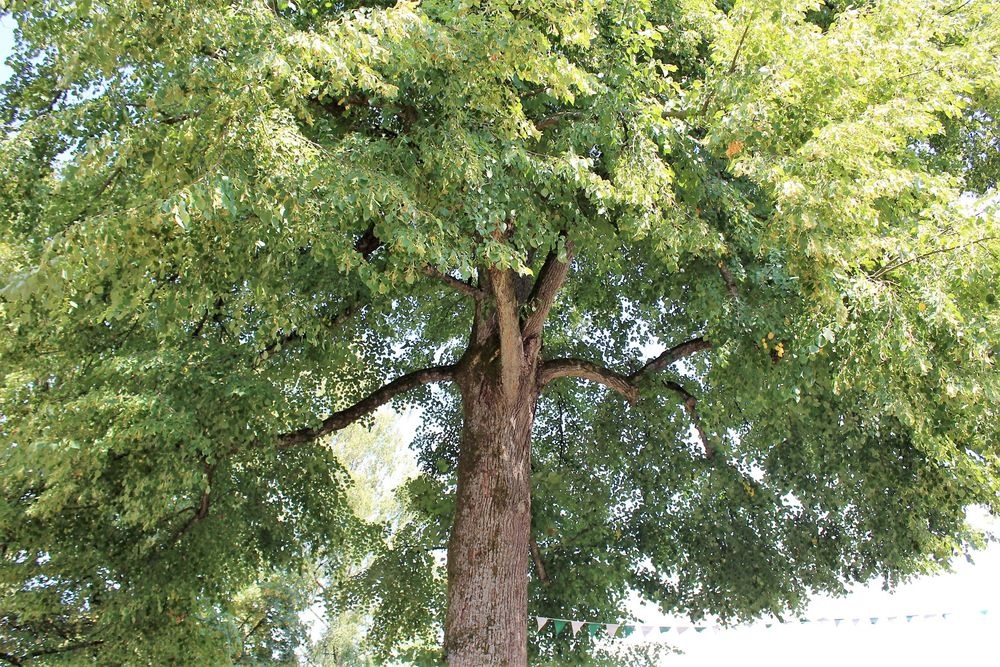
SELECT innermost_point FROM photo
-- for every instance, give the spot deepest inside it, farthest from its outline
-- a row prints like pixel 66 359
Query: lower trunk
pixel 486 622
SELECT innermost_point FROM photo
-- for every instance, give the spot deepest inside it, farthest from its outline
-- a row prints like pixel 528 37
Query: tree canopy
pixel 747 252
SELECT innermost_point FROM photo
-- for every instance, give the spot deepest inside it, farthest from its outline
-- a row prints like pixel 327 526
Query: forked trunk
pixel 486 622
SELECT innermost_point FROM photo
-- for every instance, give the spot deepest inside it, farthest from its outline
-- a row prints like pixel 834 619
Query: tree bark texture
pixel 500 377
pixel 489 549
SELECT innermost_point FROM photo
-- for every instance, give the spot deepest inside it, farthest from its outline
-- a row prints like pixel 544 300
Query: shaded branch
pixel 15 660
pixel 732 65
pixel 727 277
pixel 539 565
pixel 578 368
pixel 366 245
pixel 670 355
pixel 200 512
pixel 453 282
pixel 367 405
pixel 294 335
pixel 556 118
pixel 368 242
pixel 550 278
pixel 690 404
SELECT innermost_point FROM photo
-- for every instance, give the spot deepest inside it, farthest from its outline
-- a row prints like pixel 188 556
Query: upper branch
pixel 543 294
pixel 367 405
pixel 511 343
pixel 366 245
pixel 559 368
pixel 892 267
pixel 628 386
pixel 670 355
pixel 690 403
pixel 453 282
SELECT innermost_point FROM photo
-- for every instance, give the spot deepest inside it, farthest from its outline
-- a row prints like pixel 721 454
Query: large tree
pixel 698 299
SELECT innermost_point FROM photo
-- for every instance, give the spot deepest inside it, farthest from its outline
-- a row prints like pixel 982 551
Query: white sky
pixel 965 637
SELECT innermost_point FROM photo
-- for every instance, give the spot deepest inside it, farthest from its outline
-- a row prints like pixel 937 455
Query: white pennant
pixel 681 629
pixel 541 621
pixel 646 629
pixel 612 628
pixel 576 625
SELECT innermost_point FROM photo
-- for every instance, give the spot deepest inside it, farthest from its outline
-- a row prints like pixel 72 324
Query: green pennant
pixel 664 629
pixel 699 628
pixel 593 628
pixel 627 630
pixel 559 626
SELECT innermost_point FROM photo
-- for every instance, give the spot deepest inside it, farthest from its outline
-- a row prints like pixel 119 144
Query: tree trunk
pixel 486 621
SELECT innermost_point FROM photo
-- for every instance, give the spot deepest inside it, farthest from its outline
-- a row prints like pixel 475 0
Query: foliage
pixel 223 221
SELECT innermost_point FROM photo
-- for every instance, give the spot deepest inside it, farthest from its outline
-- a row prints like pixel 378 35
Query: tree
pixel 698 299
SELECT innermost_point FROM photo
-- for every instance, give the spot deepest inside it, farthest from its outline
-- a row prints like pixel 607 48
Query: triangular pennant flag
pixel 612 628
pixel 910 617
pixel 930 615
pixel 699 628
pixel 681 629
pixel 855 621
pixel 767 625
pixel 627 630
pixel 803 621
pixel 891 618
pixel 646 629
pixel 873 619
pixel 576 625
pixel 559 625
pixel 593 628
pixel 541 620
pixel 837 621
pixel 664 629
pixel 946 615
pixel 984 611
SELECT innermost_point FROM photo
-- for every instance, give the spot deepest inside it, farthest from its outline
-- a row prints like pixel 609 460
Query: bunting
pixel 610 630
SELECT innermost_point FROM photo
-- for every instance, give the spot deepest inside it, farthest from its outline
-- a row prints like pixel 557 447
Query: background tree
pixel 705 291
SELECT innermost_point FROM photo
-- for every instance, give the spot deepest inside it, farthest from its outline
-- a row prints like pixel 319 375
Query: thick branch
pixel 727 277
pixel 367 405
pixel 543 294
pixel 368 243
pixel 671 355
pixel 511 344
pixel 556 118
pixel 578 368
pixel 453 282
pixel 690 403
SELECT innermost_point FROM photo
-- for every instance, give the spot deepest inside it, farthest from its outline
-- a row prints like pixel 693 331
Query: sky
pixel 964 637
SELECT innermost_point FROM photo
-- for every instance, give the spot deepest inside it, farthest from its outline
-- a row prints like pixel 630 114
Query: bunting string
pixel 622 630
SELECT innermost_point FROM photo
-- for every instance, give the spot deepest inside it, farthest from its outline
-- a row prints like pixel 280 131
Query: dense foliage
pixel 222 221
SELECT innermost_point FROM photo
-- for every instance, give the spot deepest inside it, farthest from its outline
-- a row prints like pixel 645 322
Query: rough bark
pixel 489 549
